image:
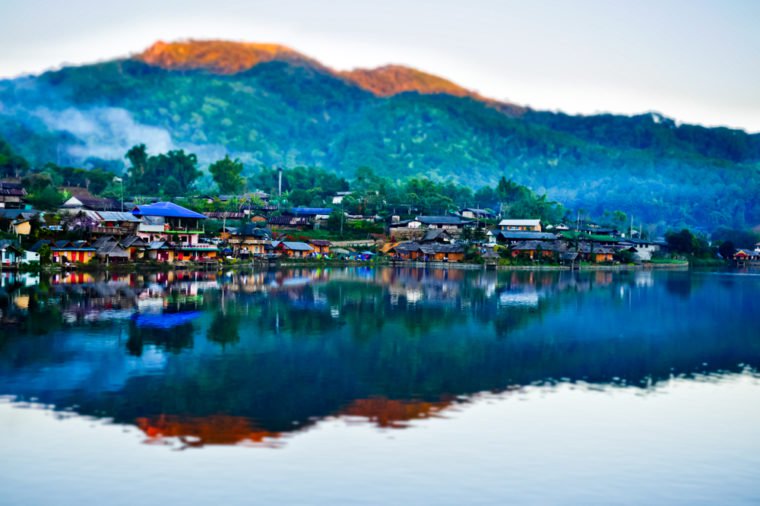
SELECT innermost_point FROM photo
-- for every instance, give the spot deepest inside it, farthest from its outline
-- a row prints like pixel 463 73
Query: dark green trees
pixel 170 174
pixel 227 175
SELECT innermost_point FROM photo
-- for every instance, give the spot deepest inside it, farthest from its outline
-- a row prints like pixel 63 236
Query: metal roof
pixel 310 211
pixel 166 210
pixel 525 235
pixel 442 220
pixel 520 223
pixel 297 246
pixel 118 216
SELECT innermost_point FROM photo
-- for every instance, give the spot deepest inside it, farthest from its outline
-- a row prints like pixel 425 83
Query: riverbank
pixel 163 267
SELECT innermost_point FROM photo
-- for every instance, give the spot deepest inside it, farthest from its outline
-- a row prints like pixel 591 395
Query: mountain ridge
pixel 228 57
pixel 274 106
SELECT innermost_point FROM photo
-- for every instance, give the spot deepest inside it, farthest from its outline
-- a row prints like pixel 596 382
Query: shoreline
pixel 140 267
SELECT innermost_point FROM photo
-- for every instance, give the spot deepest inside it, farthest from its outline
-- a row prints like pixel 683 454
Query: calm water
pixel 381 386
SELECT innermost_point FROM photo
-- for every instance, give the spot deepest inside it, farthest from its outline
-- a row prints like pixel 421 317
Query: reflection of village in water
pixel 249 356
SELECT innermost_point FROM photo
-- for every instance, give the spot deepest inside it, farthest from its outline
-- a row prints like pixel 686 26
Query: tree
pixel 227 175
pixel 138 158
pixel 686 243
pixel 727 250
pixel 11 164
pixel 152 174
pixel 45 254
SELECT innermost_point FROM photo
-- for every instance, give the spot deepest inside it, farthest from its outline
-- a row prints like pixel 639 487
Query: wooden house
pixel 321 247
pixel 293 249
pixel 532 225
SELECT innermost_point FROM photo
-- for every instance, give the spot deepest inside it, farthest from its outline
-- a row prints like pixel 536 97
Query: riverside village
pixel 91 232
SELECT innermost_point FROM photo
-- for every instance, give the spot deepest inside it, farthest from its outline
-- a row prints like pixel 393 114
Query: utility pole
pixel 279 186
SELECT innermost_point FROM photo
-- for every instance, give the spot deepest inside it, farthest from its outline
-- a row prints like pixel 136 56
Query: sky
pixel 697 61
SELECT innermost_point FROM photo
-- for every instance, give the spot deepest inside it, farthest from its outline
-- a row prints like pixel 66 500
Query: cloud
pixel 104 132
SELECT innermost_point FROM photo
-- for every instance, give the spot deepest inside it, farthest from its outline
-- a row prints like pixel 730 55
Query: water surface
pixel 383 385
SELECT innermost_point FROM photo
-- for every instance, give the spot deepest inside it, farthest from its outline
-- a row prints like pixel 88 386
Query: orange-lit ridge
pixel 227 57
pixel 229 429
pixel 208 430
pixel 218 56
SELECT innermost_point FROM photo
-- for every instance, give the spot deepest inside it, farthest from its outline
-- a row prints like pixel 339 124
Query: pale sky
pixel 697 61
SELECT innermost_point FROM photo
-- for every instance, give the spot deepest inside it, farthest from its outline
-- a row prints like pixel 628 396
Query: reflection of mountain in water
pixel 254 356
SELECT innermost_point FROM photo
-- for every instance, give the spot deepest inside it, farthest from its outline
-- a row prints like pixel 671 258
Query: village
pixel 93 231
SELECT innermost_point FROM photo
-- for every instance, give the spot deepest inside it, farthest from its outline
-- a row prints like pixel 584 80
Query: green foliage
pixel 686 243
pixel 727 249
pixel 45 254
pixel 170 174
pixel 296 114
pixel 227 175
pixel 624 256
pixel 11 164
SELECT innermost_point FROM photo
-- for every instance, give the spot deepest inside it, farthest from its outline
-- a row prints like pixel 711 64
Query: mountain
pixel 270 105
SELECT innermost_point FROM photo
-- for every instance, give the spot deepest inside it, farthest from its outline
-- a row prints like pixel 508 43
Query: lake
pixel 380 386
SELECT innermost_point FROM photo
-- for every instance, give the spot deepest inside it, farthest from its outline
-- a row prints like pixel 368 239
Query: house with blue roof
pixel 167 221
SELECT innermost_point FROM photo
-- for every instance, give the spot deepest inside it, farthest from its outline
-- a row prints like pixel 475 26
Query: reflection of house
pixel 523 225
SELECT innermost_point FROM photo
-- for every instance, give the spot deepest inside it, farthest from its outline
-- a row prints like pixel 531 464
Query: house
pixel 159 251
pixel 437 235
pixel 444 252
pixel 82 200
pixel 289 222
pixel 293 249
pixel 746 255
pixel 109 250
pixel 135 246
pixel 64 251
pixel 114 223
pixel 339 196
pixel 250 240
pixel 18 221
pixel 169 222
pixel 477 214
pixel 592 252
pixel 320 247
pixel 312 213
pixel 11 253
pixel 521 225
pixel 536 249
pixel 12 195
pixel 444 222
pixel 643 249
pixel 510 237
pixel 431 252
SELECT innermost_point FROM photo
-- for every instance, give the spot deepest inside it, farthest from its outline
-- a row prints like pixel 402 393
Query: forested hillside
pixel 281 109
